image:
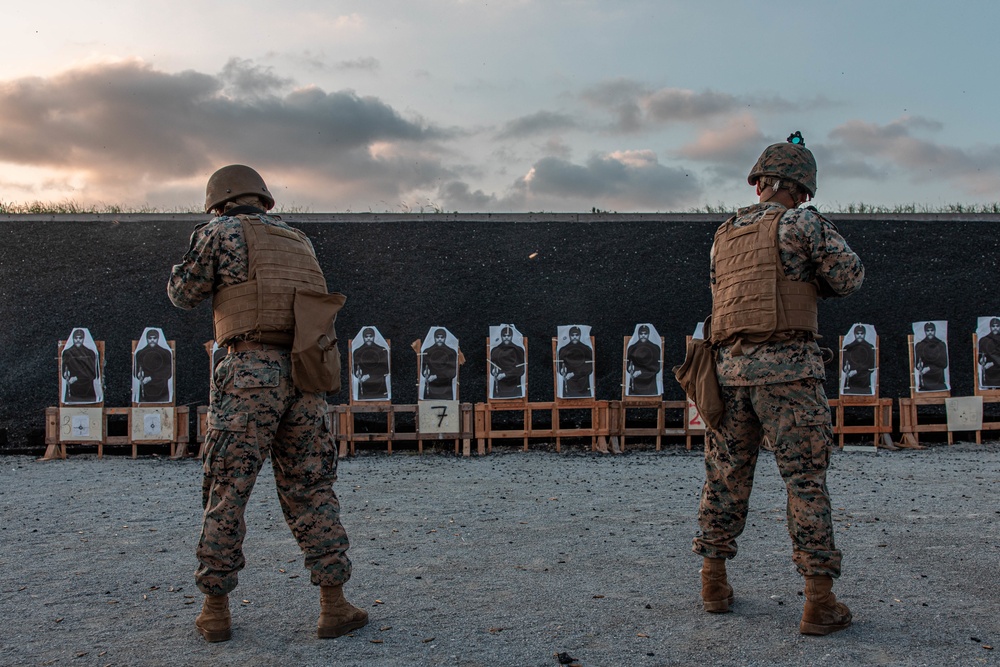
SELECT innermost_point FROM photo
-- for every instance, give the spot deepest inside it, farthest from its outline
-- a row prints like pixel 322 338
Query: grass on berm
pixel 73 207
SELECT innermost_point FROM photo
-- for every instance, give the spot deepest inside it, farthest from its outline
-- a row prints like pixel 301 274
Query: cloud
pixel 541 122
pixel 852 169
pixel 621 97
pixel 243 78
pixel 556 147
pixel 738 140
pixel 974 171
pixel 457 196
pixel 675 104
pixel 318 61
pixel 627 180
pixel 126 127
pixel 636 107
pixel 362 64
pixel 623 180
pixel 350 22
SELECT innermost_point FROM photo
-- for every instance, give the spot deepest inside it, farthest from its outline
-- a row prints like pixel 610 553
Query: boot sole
pixel 340 630
pixel 216 636
pixel 821 630
pixel 718 606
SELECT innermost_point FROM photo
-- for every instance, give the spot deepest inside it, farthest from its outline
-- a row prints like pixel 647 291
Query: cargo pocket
pixel 256 377
pixel 224 432
pixel 221 374
pixel 813 423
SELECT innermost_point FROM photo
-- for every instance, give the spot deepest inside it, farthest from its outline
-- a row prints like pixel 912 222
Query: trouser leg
pixel 247 402
pixel 730 460
pixel 800 427
pixel 231 468
pixel 304 457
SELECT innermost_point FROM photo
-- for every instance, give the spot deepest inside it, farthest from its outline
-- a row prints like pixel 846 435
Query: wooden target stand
pixel 347 435
pixel 598 431
pixel 989 395
pixel 619 427
pixel 485 432
pixel 148 423
pixel 910 427
pixel 457 425
pixel 881 425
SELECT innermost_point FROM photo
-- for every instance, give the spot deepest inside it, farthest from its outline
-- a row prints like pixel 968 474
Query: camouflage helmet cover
pixel 791 161
pixel 235 180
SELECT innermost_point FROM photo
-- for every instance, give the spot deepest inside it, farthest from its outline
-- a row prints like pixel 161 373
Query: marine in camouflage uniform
pixel 256 411
pixel 772 390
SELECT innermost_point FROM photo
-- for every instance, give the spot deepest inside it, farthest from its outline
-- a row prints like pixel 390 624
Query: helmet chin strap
pixel 775 188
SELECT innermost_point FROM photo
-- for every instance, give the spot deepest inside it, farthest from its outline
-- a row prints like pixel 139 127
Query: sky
pixel 497 106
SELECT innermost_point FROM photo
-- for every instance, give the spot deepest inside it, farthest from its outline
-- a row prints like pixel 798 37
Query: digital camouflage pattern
pixel 255 411
pixel 795 417
pixel 217 258
pixel 812 250
pixel 786 161
pixel 775 389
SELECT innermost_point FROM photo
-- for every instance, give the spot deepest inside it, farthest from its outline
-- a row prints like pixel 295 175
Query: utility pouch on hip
pixel 700 380
pixel 315 356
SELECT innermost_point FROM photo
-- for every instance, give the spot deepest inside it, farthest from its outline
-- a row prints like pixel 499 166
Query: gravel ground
pixel 505 560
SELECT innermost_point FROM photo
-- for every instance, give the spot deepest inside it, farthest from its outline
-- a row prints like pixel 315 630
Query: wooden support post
pixel 481 428
pixel 54 449
pixel 182 432
pixel 467 428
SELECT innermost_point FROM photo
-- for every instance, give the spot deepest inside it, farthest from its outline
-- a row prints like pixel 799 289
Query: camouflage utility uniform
pixel 775 389
pixel 256 410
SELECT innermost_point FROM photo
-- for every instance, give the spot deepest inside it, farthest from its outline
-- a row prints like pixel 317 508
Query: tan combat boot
pixel 214 622
pixel 337 616
pixel 823 614
pixel 716 593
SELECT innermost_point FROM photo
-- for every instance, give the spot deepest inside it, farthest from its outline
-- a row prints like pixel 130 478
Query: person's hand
pixel 851 374
pixel 146 380
pixel 72 379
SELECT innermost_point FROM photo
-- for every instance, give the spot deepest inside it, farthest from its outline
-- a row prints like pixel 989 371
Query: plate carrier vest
pixel 752 301
pixel 280 260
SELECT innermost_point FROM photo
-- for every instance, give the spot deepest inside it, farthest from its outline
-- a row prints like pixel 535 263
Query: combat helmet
pixel 790 160
pixel 235 180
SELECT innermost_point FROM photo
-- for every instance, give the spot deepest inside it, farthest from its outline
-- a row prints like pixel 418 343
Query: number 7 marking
pixel 443 412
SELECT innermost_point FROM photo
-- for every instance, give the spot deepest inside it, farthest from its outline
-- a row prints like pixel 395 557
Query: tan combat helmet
pixel 790 160
pixel 235 180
